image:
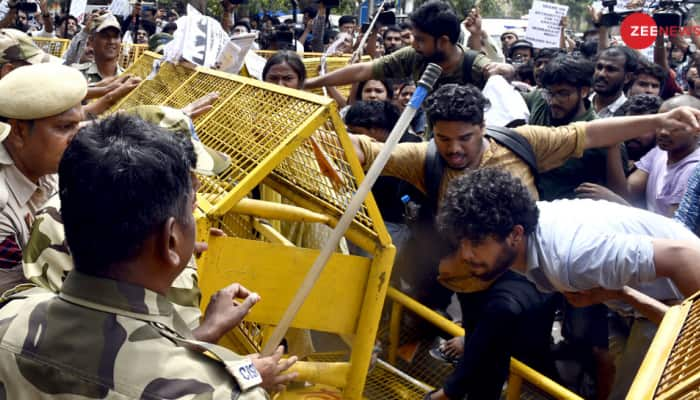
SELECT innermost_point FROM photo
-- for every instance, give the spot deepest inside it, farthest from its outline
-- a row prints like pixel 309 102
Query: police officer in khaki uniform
pixel 132 343
pixel 47 262
pixel 104 36
pixel 17 50
pixel 39 115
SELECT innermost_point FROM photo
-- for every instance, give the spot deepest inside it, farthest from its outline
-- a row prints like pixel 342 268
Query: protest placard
pixel 543 24
pixel 234 53
pixel 198 39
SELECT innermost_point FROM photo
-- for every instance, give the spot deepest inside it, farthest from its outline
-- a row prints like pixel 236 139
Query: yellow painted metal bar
pixel 269 233
pixel 269 195
pixel 356 168
pixel 682 388
pixel 541 381
pixel 220 103
pixel 355 233
pixel 372 304
pixel 184 84
pixel 394 330
pixel 516 367
pixel 327 373
pixel 426 313
pixel 268 164
pixel 278 211
pixel 515 386
pixel 650 372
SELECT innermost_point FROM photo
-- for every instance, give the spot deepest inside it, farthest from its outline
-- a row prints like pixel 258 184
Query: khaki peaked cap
pixel 41 91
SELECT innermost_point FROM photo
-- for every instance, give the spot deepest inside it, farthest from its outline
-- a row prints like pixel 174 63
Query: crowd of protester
pixel 580 210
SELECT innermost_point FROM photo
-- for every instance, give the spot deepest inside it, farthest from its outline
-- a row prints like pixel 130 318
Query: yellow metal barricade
pixel 283 139
pixel 671 367
pixel 54 46
pixel 129 53
pixel 435 374
pixel 270 53
pixel 312 65
pixel 143 65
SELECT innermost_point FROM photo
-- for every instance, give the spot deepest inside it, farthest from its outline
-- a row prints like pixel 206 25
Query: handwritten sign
pixel 543 28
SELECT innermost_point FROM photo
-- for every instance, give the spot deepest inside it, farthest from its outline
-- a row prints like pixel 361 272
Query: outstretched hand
pixel 201 105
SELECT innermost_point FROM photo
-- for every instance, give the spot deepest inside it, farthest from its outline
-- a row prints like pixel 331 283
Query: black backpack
pixel 435 164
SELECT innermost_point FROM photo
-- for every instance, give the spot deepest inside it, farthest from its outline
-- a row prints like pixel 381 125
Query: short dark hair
pixel 170 27
pixel 310 11
pixel 387 85
pixel 121 177
pixel 575 71
pixel 244 24
pixel 631 58
pixel 453 102
pixel 373 114
pixel 589 49
pixel 641 104
pixel 292 59
pixel 347 19
pixel 646 68
pixel 436 18
pixel 391 28
pixel 549 53
pixel 486 202
pixel 525 73
pixel 405 25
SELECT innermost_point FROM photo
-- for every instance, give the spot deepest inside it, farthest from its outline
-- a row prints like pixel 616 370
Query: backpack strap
pixel 515 143
pixel 435 165
pixel 469 57
pixel 434 169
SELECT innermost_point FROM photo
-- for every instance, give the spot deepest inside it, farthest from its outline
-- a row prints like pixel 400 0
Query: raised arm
pixel 351 73
pixel 609 131
pixel 473 25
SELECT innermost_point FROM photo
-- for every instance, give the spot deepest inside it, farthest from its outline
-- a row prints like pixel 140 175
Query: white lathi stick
pixel 430 76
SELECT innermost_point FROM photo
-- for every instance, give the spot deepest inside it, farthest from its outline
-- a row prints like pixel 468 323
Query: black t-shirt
pixel 510 319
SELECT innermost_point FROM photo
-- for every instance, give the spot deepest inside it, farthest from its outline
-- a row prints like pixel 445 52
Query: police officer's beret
pixel 40 91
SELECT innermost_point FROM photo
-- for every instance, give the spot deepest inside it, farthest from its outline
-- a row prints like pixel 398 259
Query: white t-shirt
pixel 584 244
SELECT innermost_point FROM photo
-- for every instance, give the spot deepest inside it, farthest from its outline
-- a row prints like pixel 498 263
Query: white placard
pixel 543 24
pixel 198 39
pixel 255 64
pixel 233 55
pixel 120 7
pixel 77 9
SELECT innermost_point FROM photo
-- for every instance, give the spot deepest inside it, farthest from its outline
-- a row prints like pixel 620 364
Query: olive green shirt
pixel 407 63
pixel 561 182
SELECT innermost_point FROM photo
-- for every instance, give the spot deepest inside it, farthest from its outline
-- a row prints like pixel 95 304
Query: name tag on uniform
pixel 245 373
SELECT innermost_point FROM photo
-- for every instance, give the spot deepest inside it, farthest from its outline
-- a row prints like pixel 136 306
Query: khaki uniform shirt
pixel 20 198
pixel 104 339
pixel 91 73
pixel 552 147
